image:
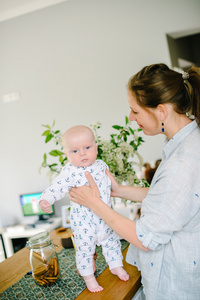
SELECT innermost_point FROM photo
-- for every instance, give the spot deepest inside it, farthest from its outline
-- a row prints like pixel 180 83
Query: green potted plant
pixel 120 152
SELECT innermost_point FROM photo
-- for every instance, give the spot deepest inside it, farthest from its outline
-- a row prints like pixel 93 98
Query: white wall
pixel 71 62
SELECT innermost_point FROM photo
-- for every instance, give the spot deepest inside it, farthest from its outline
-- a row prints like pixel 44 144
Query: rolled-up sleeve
pixel 149 239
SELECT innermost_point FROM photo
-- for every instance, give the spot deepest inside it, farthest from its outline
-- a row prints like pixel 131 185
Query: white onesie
pixel 89 230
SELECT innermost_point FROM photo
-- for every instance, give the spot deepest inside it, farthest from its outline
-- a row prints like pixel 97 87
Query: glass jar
pixel 43 259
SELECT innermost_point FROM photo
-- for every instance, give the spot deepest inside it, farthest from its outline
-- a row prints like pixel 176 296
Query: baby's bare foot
pixel 121 273
pixel 92 284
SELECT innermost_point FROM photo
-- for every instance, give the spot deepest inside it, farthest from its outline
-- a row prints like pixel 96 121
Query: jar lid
pixel 39 238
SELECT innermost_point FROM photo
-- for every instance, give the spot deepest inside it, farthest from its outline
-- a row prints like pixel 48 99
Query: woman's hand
pixel 85 195
pixel 131 193
pixel 115 187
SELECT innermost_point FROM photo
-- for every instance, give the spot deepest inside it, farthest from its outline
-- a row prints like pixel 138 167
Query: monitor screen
pixel 30 205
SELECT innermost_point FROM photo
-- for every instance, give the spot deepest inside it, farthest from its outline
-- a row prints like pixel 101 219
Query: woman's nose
pixel 132 116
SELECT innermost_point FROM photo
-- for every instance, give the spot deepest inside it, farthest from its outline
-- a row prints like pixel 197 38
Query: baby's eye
pixel 74 151
pixel 88 147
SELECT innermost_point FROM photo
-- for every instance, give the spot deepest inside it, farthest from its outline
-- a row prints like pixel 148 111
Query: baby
pixel 88 229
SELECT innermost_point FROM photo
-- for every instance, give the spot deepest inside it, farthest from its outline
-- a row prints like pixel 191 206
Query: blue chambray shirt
pixel 170 223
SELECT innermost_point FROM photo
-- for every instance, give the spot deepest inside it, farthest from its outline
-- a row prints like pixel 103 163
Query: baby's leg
pixel 94 265
pixel 90 280
pixel 85 261
pixel 112 253
pixel 92 284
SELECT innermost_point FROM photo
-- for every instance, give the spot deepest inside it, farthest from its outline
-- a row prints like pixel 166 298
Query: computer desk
pixel 24 231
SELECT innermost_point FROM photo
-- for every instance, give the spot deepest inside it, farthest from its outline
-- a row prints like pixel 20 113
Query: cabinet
pixel 15 237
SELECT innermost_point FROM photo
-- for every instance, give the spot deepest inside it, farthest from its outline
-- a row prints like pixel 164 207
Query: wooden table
pixel 16 266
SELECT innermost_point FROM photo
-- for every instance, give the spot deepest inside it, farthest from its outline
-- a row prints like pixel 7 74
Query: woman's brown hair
pixel 157 84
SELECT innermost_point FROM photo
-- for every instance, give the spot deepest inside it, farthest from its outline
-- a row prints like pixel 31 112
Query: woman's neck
pixel 175 124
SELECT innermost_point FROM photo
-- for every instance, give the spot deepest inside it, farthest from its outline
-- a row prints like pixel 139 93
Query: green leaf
pixel 53 165
pixel 126 132
pixel 45 158
pixel 46 126
pixel 131 130
pixel 133 145
pixel 57 131
pixel 126 120
pixel 48 138
pixel 56 153
pixel 61 159
pixel 140 139
pixel 117 127
pixel 46 132
pixel 63 162
pixel 113 135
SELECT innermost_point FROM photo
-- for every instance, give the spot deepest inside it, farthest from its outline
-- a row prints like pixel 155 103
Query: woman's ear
pixel 162 111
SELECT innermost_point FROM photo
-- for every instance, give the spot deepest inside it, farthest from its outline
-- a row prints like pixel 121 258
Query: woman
pixel 165 241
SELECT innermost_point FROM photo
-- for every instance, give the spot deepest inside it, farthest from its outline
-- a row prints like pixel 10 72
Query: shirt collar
pixel 172 144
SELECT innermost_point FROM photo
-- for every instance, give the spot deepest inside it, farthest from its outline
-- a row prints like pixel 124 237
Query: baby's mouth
pixel 84 160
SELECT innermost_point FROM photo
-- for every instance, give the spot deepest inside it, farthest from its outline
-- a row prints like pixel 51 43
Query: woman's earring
pixel 163 129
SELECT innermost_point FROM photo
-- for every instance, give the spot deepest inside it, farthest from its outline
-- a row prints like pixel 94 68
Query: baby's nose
pixel 82 152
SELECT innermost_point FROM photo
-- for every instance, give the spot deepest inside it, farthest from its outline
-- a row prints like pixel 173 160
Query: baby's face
pixel 81 150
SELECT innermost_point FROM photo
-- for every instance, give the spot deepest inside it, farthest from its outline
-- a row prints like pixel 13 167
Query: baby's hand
pixel 45 206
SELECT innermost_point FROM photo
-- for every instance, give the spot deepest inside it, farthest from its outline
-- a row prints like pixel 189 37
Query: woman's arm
pixel 88 196
pixel 132 193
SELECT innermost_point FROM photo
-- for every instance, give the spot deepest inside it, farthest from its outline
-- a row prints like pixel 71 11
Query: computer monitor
pixel 30 206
